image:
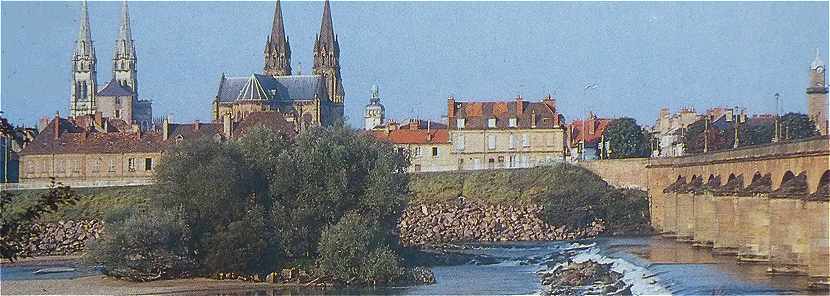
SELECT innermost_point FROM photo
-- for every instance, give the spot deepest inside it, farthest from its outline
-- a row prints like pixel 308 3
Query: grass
pixel 94 202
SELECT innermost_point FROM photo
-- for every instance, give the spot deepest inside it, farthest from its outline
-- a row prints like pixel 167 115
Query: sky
pixel 641 55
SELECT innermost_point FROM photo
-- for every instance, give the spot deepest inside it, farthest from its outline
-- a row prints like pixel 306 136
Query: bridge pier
pixel 726 237
pixel 705 220
pixel 670 212
pixel 819 255
pixel 753 226
pixel 685 217
pixel 789 236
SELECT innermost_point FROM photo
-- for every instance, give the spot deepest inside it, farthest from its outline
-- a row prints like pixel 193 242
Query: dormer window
pixel 513 122
pixel 460 123
pixel 491 123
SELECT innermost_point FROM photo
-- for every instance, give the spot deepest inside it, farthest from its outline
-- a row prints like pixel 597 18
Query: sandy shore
pixel 99 285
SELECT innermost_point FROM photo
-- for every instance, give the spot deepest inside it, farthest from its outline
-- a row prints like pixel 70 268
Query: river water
pixel 653 265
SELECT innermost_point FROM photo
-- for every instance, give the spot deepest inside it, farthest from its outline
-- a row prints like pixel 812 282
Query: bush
pixel 143 247
pixel 382 266
pixel 242 247
pixel 572 196
pixel 344 246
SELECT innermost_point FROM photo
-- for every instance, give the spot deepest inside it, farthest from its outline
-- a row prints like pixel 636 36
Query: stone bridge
pixel 764 204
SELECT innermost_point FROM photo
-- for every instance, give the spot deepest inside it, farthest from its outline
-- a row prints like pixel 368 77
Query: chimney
pixel 520 106
pixel 42 124
pixel 196 125
pixel 57 126
pixel 98 118
pixel 450 107
pixel 227 126
pixel 533 119
pixel 165 128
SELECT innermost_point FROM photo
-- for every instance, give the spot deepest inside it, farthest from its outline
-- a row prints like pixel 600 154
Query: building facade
pixel 491 135
pixel 426 142
pixel 119 97
pixel 92 150
pixel 309 100
pixel 817 105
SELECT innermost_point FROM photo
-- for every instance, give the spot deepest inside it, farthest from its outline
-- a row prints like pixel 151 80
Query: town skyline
pixel 418 75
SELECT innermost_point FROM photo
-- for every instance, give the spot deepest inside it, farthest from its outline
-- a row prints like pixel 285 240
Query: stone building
pixel 315 99
pixel 503 134
pixel 374 114
pixel 426 142
pixel 92 150
pixel 817 105
pixel 119 97
pixel 585 137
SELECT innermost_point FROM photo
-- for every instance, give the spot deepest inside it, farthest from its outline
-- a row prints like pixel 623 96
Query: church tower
pixel 277 48
pixel 817 105
pixel 124 57
pixel 375 113
pixel 82 99
pixel 327 59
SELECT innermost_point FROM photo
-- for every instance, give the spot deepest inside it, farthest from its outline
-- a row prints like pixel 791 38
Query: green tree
pixel 797 126
pixel 627 139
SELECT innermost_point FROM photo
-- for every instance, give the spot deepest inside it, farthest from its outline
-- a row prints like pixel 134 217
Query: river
pixel 653 265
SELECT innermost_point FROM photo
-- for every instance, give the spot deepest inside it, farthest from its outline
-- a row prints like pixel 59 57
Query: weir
pixel 781 219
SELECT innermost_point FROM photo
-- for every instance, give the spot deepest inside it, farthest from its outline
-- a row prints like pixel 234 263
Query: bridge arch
pixel 824 184
pixel 787 176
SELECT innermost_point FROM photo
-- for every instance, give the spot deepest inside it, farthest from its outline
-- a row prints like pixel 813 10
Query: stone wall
pixel 456 222
pixel 61 238
pixel 624 173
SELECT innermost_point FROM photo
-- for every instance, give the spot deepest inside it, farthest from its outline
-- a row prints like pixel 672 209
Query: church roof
pixel 114 89
pixel 283 88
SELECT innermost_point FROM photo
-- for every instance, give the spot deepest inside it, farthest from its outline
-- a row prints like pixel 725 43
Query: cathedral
pixel 118 98
pixel 306 100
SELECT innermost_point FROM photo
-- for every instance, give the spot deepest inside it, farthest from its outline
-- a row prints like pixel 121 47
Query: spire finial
pixel 326 28
pixel 84 43
pixel 277 49
pixel 817 62
pixel 124 44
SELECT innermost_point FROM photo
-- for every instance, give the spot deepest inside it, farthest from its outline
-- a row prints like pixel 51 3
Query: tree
pixel 797 126
pixel 626 139
pixel 16 223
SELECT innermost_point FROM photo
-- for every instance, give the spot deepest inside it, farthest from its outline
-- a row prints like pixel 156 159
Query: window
pixel 96 166
pixel 417 168
pixel 476 164
pixel 59 167
pixel 525 140
pixel 76 166
pixel 460 164
pixel 117 113
pixel 459 123
pixel 525 161
pixel 491 123
pixel 458 142
pixel 434 151
pixel 131 164
pixel 501 161
pixel 418 151
pixel 491 142
pixel 512 162
pixel 512 141
pixel 491 163
pixel 513 122
pixel 112 166
pixel 117 102
pixel 148 164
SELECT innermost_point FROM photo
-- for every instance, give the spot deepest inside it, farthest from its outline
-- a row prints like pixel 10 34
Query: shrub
pixel 572 196
pixel 143 247
pixel 344 246
pixel 244 246
pixel 382 266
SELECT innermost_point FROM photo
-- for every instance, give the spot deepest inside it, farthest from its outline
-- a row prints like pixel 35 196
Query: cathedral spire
pixel 83 46
pixel 327 56
pixel 326 37
pixel 277 49
pixel 124 58
pixel 124 43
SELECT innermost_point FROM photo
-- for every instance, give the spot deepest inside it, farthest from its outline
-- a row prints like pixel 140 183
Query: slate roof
pixel 407 136
pixel 476 114
pixel 114 89
pixel 283 88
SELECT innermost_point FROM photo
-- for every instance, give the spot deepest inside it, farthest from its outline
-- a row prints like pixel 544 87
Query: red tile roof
pixel 476 114
pixel 599 126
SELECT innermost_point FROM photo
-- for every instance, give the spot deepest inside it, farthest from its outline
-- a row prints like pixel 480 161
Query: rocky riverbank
pixel 452 222
pixel 585 278
pixel 61 238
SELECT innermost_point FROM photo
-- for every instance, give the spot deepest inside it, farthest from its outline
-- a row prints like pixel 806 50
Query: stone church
pixel 118 98
pixel 306 100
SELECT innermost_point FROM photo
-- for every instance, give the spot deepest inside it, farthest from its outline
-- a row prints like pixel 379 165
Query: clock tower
pixel 817 105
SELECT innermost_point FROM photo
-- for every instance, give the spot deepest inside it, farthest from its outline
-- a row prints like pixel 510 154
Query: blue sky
pixel 643 55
